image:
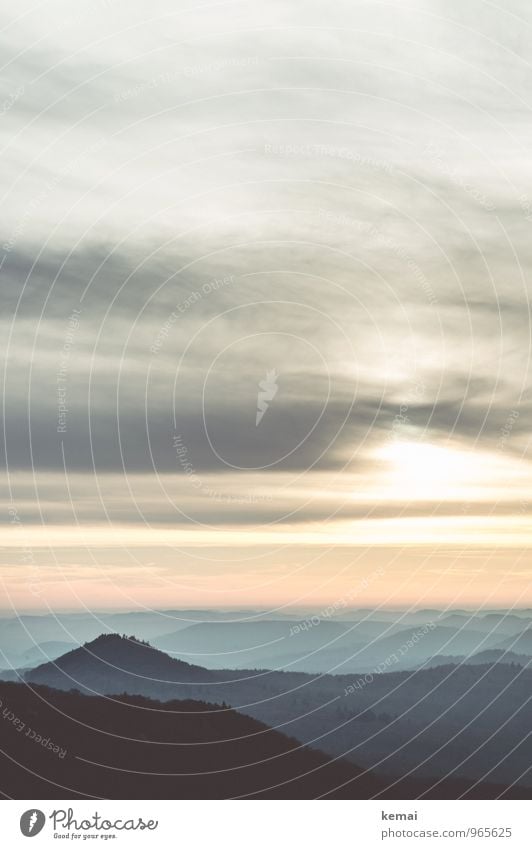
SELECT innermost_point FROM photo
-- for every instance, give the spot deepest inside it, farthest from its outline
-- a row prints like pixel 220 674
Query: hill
pixel 112 663
pixel 481 658
pixel 348 641
pixel 56 745
pixel 471 721
pixel 244 645
pixel 61 745
pixel 520 643
pixel 321 646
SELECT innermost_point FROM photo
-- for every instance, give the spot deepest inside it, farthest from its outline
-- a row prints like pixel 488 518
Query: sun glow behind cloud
pixel 423 471
pixel 360 213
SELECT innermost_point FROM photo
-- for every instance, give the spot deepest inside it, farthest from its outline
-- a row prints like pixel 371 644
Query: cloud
pixel 192 207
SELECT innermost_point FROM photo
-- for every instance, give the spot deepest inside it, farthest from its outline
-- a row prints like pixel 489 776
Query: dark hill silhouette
pixel 56 744
pixel 112 663
pixel 132 747
pixel 471 721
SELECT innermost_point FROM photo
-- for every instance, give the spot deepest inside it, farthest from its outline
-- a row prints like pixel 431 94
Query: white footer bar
pixel 266 824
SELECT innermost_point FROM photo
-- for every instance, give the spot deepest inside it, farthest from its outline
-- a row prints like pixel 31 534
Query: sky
pixel 265 322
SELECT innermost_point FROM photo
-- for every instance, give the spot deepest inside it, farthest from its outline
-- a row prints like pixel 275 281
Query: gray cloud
pixel 345 202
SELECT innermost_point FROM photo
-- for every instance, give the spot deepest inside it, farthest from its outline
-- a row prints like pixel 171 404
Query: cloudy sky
pixel 265 303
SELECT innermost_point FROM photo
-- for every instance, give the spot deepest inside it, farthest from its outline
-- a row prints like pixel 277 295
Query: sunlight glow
pixel 424 470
